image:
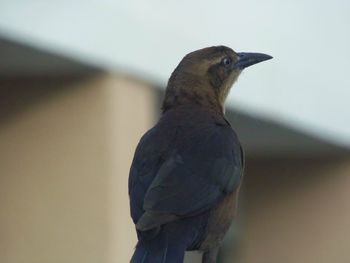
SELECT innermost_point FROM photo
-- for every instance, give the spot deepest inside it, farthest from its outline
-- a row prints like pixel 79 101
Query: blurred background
pixel 81 81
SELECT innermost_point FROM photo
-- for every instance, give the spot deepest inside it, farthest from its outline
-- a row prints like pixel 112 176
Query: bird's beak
pixel 248 59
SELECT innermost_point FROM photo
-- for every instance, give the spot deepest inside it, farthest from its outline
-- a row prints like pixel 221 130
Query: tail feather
pixel 167 254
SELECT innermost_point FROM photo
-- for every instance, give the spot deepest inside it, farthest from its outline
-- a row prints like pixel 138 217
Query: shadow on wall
pixel 18 94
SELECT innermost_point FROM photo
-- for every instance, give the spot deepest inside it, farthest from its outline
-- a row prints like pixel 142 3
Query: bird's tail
pixel 165 254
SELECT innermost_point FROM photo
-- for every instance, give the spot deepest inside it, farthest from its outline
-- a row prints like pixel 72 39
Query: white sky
pixel 306 85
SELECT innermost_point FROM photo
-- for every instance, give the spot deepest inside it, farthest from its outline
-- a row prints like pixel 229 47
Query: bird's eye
pixel 227 61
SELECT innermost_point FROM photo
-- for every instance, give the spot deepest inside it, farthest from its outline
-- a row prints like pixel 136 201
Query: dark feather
pixel 183 167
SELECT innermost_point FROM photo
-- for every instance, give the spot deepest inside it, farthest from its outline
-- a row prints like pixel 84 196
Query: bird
pixel 187 170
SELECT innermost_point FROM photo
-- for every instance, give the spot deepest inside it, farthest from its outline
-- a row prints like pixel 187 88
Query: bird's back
pixel 205 155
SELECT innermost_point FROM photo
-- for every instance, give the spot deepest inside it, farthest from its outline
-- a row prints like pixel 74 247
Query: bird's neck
pixel 191 97
pixel 188 90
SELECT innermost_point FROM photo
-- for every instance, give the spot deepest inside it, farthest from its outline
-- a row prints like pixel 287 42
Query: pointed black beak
pixel 248 59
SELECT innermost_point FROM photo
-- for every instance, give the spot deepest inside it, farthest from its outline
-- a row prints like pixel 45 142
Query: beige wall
pixel 295 211
pixel 65 151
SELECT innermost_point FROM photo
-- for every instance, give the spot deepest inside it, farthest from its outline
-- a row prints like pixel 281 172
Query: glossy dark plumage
pixel 183 168
pixel 187 169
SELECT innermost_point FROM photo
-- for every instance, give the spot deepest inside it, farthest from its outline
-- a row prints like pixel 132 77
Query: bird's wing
pixel 193 179
pixel 146 163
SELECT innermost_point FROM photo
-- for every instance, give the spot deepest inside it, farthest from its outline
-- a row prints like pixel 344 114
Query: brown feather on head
pixel 203 77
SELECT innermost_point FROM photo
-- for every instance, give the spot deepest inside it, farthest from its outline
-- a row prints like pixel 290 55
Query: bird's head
pixel 205 76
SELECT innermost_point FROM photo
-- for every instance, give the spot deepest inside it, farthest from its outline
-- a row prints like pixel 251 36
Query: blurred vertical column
pixel 66 146
pixel 131 108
